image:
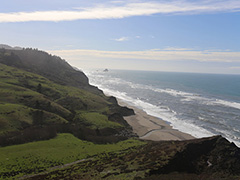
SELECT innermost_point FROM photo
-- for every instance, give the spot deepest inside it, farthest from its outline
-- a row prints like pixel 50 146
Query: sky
pixel 201 36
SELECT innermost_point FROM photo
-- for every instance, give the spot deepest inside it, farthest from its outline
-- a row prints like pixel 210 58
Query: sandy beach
pixel 152 128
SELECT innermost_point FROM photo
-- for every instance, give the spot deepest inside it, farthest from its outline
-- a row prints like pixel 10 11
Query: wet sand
pixel 152 128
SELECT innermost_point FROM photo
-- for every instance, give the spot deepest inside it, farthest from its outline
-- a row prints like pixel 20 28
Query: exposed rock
pixel 125 111
pixel 117 117
pixel 113 100
pixel 207 155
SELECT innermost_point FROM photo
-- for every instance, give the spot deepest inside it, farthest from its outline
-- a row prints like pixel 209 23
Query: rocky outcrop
pixel 124 111
pixel 205 156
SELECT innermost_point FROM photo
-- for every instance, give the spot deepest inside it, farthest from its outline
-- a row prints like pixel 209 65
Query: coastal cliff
pixel 76 132
pixel 43 93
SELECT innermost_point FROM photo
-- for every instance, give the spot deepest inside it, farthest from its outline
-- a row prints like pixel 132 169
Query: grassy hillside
pixel 85 136
pixel 19 160
pixel 31 97
pixel 51 67
pixel 23 93
pixel 66 157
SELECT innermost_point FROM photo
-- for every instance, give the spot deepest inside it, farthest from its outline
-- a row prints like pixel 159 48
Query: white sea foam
pixel 196 97
pixel 228 103
pixel 229 136
pixel 167 90
pixel 186 96
pixel 193 97
pixel 174 92
pixel 162 112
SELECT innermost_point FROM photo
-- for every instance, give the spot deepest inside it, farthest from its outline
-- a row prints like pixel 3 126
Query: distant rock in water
pixel 105 70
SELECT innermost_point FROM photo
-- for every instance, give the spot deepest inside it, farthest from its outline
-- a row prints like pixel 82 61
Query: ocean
pixel 199 104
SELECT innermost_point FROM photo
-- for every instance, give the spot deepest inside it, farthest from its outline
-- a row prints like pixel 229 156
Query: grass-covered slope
pixel 35 157
pixel 52 67
pixel 23 93
pixel 44 98
pixel 67 157
pixel 31 98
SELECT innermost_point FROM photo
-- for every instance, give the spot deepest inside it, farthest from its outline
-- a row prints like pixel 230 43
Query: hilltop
pixel 55 125
pixel 43 93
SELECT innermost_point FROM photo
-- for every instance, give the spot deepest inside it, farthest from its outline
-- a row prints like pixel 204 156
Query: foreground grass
pixel 35 157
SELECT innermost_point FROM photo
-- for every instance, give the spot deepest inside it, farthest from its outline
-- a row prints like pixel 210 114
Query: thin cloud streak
pixel 176 49
pixel 163 55
pixel 111 11
pixel 121 39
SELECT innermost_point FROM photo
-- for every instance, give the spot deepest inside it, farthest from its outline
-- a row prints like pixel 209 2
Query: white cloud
pixel 159 55
pixel 126 38
pixel 123 10
pixel 176 49
pixel 121 39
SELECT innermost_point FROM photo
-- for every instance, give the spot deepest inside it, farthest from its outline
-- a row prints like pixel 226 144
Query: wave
pixel 197 97
pixel 186 96
pixel 107 82
pixel 162 112
pixel 166 114
pixel 228 103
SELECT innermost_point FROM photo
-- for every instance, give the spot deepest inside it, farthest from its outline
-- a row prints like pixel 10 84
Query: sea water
pixel 199 104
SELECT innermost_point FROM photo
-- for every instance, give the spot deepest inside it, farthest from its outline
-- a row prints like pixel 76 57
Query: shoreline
pixel 148 127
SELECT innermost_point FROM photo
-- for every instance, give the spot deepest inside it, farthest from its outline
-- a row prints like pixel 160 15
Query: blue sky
pixel 161 35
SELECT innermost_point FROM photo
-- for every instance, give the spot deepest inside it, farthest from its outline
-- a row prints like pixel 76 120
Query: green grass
pixel 12 93
pixel 16 82
pixel 65 148
pixel 20 101
pixel 11 116
pixel 96 120
pixel 20 88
